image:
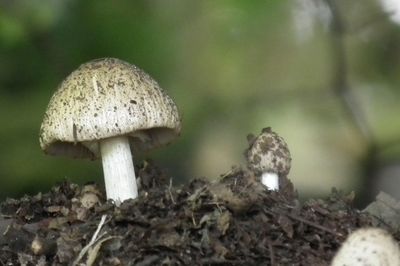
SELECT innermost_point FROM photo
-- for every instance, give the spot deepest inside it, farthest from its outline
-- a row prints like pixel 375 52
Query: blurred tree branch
pixel 370 163
pixel 340 82
pixel 343 90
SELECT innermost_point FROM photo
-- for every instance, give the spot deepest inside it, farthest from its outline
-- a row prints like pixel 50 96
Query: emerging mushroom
pixel 268 156
pixel 368 246
pixel 106 108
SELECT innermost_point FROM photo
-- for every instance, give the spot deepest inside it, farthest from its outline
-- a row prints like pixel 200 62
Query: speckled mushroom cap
pixel 105 98
pixel 268 153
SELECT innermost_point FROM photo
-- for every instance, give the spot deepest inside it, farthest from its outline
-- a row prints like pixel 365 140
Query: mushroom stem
pixel 270 180
pixel 119 173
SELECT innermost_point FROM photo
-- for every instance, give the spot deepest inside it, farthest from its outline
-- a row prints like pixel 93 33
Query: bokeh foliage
pixel 233 67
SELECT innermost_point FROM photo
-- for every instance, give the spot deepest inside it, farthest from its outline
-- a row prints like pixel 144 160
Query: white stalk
pixel 119 173
pixel 270 180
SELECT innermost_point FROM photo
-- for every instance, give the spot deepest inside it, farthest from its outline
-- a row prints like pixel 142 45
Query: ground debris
pixel 232 222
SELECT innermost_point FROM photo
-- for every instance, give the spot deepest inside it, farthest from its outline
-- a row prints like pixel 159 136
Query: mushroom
pixel 108 108
pixel 268 156
pixel 368 246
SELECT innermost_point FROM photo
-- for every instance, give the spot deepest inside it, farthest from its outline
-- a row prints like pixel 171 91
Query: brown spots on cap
pixel 108 97
pixel 121 83
pixel 266 144
pixel 268 152
pixel 256 158
pixel 74 133
pixel 266 130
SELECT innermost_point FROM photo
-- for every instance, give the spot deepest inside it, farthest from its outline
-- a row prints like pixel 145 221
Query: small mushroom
pixel 368 246
pixel 268 156
pixel 108 108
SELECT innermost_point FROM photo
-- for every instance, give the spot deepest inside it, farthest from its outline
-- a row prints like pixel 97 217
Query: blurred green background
pixel 324 74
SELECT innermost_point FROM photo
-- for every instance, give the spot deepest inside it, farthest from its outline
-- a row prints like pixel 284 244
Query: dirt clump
pixel 232 222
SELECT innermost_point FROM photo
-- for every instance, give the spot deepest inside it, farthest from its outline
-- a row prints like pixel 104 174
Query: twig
pixel 271 253
pixel 92 254
pixel 169 191
pixel 310 223
pixel 300 219
pixel 194 220
pixel 95 237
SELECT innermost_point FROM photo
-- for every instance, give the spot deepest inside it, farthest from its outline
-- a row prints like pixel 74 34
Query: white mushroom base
pixel 119 173
pixel 270 180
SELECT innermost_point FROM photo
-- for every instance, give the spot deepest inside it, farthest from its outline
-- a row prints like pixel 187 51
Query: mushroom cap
pixel 105 98
pixel 268 152
pixel 368 246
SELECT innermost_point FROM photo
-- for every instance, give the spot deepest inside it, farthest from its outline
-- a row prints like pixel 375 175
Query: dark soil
pixel 232 222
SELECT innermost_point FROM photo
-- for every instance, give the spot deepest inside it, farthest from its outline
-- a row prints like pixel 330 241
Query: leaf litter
pixel 235 221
